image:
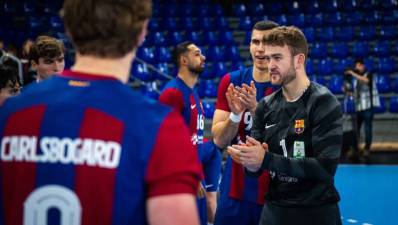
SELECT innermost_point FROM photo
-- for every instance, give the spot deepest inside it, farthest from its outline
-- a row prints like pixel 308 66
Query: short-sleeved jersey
pixel 186 101
pixel 234 182
pixel 86 149
pixel 304 140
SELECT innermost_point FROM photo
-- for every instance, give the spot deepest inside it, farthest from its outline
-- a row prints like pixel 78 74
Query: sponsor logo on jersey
pixel 299 126
pixel 76 83
pixel 78 151
pixel 298 149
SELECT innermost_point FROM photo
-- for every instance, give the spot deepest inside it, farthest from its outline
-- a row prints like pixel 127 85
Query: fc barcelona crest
pixel 299 126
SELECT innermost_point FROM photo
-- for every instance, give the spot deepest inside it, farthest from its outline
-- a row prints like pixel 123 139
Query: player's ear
pixel 299 60
pixel 33 64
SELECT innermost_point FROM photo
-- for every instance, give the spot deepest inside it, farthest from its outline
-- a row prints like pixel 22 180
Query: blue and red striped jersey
pixel 186 101
pixel 86 149
pixel 234 182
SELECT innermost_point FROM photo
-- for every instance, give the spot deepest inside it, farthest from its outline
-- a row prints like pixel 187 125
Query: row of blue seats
pixel 213 54
pixel 348 105
pixel 259 8
pixel 218 23
pixel 329 66
pixel 187 10
pixel 200 38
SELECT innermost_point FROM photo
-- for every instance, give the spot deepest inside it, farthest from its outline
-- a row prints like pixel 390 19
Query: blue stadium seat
pixel 237 66
pixel 350 5
pixel 29 8
pixel 189 24
pixel 335 84
pixel 335 19
pixel 367 33
pixel 383 83
pixel 215 54
pixel 239 10
pixel 245 23
pixel 319 79
pixel 217 10
pixel 281 19
pixel 209 108
pixel 311 7
pixel 227 38
pixel 153 25
pixel 387 65
pixel 207 88
pixel 176 37
pixel 309 34
pixel 232 54
pixel 370 63
pixel 170 10
pixel 339 50
pixel 219 69
pixel 150 90
pixel 170 24
pixel 394 104
pixel 297 20
pixel 325 67
pixel 319 50
pixel 315 20
pixel 293 7
pixel 354 18
pixel 373 18
pixel 211 38
pixel 273 8
pixel 141 71
pixel 186 10
pixel 159 39
pixel 387 33
pixel 329 6
pixel 194 36
pixel 164 68
pixel 360 49
pixel 204 10
pixel 36 24
pixel 370 5
pixel 221 23
pixel 381 49
pixel 146 54
pixel 382 107
pixel 309 67
pixel 395 84
pixel 325 34
pixel 207 24
pixel 255 9
pixel 162 54
pixel 345 33
pixel 56 23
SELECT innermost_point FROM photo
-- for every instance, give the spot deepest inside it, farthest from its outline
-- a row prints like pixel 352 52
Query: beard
pixel 288 76
pixel 197 70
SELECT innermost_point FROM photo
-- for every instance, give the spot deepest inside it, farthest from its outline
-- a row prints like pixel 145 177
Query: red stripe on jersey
pixel 174 165
pixel 222 102
pixel 19 178
pixel 94 185
pixel 174 98
pixel 263 186
pixel 237 181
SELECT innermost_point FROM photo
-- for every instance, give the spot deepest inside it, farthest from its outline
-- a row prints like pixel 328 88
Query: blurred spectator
pixel 28 72
pixel 47 57
pixel 9 81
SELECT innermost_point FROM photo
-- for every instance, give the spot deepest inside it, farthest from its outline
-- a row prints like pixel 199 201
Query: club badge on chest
pixel 299 126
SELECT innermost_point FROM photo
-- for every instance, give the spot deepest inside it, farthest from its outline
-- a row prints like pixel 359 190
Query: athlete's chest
pixel 287 131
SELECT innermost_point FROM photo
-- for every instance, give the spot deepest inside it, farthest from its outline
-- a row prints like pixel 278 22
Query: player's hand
pixel 247 95
pixel 201 190
pixel 234 103
pixel 349 72
pixel 250 155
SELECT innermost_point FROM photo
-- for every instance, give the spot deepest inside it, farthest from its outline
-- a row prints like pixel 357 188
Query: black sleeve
pixel 327 130
pixel 257 131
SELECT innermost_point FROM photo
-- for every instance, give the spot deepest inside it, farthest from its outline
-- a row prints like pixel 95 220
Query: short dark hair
pixel 359 60
pixel 105 28
pixel 265 25
pixel 180 49
pixel 8 74
pixel 46 47
pixel 291 36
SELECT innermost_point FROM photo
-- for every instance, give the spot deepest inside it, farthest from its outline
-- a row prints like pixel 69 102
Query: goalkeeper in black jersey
pixel 297 136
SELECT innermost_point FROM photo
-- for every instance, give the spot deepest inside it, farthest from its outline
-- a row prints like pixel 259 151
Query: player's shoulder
pixel 240 76
pixel 319 93
pixel 273 97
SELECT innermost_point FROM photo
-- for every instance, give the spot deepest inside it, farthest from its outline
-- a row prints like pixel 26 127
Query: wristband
pixel 235 117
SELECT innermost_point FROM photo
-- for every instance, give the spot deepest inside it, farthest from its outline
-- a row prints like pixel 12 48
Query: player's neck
pixel 118 68
pixel 295 89
pixel 260 75
pixel 188 77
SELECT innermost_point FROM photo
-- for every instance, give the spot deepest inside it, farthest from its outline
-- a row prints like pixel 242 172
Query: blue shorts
pixel 237 212
pixel 211 161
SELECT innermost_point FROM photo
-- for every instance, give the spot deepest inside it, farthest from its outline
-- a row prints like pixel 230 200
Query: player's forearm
pixel 303 168
pixel 223 132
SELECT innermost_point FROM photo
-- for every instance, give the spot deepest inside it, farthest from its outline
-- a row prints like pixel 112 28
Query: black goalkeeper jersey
pixel 304 139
